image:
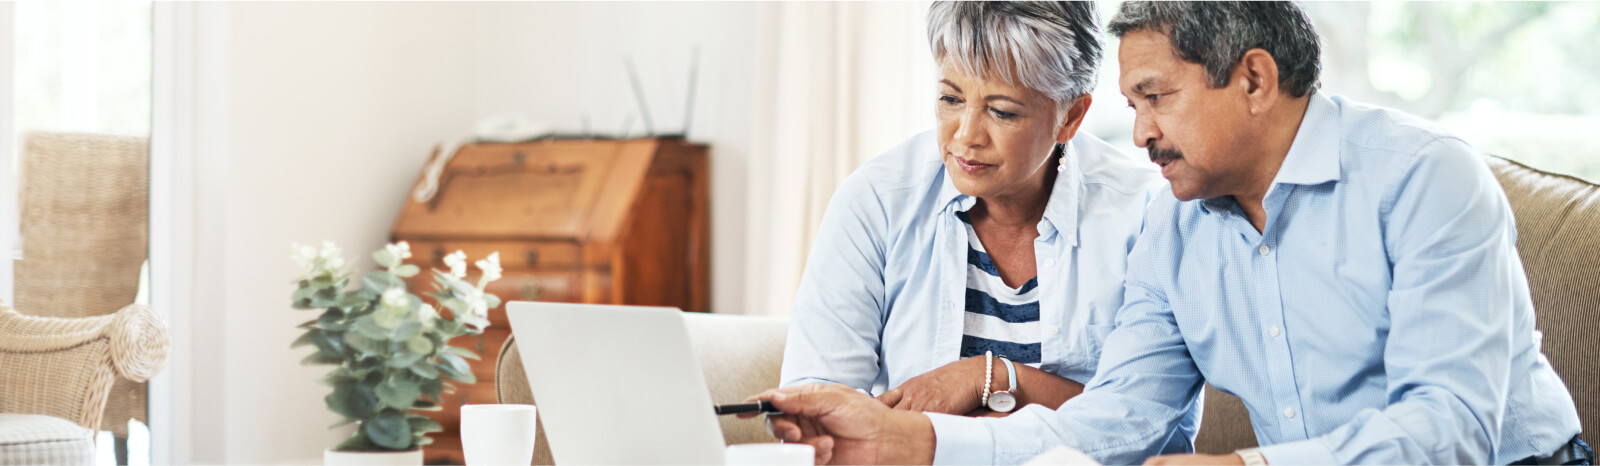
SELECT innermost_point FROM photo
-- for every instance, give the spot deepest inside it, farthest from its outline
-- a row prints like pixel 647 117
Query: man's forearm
pixel 911 441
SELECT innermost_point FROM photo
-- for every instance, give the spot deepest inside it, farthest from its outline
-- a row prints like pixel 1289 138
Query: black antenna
pixel 638 94
pixel 694 73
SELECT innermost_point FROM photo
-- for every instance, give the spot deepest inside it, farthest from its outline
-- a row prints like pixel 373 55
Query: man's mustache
pixel 1157 155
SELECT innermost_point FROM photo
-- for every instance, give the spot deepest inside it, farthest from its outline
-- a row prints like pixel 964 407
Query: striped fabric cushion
pixel 41 439
pixel 999 318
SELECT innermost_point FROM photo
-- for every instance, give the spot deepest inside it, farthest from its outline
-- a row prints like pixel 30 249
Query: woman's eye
pixel 949 100
pixel 1003 115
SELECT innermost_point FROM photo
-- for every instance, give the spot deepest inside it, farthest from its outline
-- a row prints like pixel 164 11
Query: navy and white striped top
pixel 999 318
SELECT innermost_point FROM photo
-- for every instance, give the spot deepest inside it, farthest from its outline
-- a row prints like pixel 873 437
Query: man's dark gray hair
pixel 1054 47
pixel 1217 34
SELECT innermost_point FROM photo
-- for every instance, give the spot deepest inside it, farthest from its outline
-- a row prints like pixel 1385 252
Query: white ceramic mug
pixel 770 454
pixel 498 434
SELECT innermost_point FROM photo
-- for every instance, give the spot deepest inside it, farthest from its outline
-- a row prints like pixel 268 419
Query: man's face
pixel 1196 133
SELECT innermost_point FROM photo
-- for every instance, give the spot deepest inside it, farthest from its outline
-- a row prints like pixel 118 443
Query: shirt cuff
pixel 960 440
pixel 1308 451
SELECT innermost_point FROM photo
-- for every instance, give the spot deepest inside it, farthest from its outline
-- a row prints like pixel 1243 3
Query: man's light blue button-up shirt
pixel 883 296
pixel 1382 316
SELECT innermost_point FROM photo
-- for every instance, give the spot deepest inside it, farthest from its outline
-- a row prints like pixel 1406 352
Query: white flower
pixel 491 269
pixel 329 250
pixel 395 297
pixel 480 307
pixel 401 250
pixel 304 256
pixel 428 314
pixel 458 263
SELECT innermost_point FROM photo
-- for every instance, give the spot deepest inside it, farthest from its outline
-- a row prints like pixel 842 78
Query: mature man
pixel 1348 271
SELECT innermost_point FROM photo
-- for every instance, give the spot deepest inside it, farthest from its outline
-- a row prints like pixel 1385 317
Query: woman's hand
pixel 951 389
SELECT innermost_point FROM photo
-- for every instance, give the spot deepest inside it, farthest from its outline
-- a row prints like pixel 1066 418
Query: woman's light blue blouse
pixel 883 295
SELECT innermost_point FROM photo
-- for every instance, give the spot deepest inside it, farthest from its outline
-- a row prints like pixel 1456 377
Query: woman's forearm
pixel 1037 386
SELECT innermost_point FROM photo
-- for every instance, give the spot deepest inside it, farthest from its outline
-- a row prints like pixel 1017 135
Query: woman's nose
pixel 969 130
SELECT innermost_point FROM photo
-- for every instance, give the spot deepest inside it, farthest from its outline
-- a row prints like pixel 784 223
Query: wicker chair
pixel 56 374
pixel 85 222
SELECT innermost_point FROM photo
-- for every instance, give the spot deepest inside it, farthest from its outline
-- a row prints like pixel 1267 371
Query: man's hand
pixel 1228 459
pixel 848 427
pixel 950 389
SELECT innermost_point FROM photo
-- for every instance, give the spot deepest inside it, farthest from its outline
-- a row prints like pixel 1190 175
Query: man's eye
pixel 1152 97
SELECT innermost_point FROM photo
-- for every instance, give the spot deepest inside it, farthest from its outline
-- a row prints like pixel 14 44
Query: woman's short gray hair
pixel 1052 47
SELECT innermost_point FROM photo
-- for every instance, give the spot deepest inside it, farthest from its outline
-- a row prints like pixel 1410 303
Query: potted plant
pixel 391 350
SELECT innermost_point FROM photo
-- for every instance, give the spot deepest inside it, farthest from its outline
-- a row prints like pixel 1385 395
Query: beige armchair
pixel 56 374
pixel 1558 218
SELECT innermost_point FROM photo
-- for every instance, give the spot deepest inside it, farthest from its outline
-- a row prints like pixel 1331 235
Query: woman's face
pixel 995 138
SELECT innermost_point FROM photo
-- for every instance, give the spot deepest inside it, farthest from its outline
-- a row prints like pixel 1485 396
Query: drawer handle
pixel 529 290
pixel 438 255
pixel 533 258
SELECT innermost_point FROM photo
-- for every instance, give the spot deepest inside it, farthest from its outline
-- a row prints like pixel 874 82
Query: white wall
pixel 334 107
pixel 560 62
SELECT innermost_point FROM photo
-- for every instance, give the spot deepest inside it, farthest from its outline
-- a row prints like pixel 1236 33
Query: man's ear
pixel 1257 75
pixel 1075 113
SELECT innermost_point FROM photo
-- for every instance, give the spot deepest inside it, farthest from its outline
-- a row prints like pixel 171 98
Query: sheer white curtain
pixel 839 84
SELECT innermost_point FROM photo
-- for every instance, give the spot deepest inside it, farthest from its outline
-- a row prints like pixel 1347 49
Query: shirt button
pixel 1288 412
pixel 1048 263
pixel 1264 249
pixel 1052 330
pixel 1072 239
pixel 1274 331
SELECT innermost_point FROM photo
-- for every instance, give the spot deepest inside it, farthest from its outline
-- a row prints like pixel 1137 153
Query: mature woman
pixel 993 246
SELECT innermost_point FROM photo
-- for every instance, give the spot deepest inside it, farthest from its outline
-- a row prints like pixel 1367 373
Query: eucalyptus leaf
pixel 422 424
pixel 357 442
pixel 407 271
pixel 305 339
pixel 369 326
pixel 456 368
pixel 463 352
pixel 420 345
pixel 331 343
pixel 389 430
pixel 352 400
pixel 399 392
pixel 378 281
pixel 432 386
pixel 425 370
pixel 319 358
pixel 388 319
pixel 363 343
pixel 408 330
pixel 403 358
pixel 385 257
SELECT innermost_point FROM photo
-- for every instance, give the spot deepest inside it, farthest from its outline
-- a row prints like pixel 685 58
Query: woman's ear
pixel 1075 114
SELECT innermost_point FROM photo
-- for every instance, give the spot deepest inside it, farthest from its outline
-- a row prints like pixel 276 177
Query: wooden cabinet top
pixel 555 189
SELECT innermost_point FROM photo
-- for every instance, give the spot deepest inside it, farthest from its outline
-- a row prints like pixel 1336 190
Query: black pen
pixel 764 407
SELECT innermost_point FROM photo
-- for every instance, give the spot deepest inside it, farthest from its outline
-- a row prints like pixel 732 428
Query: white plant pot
pixel 331 457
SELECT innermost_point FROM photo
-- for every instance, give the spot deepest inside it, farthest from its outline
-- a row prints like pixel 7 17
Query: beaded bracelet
pixel 988 374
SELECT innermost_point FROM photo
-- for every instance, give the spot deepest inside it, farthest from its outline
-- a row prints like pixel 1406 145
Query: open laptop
pixel 616 384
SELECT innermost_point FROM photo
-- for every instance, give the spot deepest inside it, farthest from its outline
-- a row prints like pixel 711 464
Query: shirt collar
pixel 1060 211
pixel 1313 157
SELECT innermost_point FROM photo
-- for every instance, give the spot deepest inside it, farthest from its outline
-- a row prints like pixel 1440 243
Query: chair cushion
pixel 41 439
pixel 1557 217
